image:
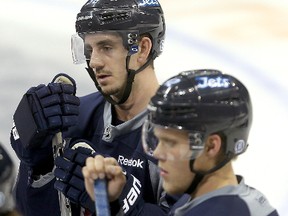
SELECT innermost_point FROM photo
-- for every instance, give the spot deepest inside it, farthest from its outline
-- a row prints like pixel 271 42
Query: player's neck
pixel 144 87
pixel 216 180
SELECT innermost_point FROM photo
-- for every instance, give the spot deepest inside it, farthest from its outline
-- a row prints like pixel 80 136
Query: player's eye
pixel 106 48
pixel 87 52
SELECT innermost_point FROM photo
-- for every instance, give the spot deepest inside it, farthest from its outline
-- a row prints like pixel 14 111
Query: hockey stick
pixel 58 144
pixel 100 188
pixel 101 198
pixel 64 203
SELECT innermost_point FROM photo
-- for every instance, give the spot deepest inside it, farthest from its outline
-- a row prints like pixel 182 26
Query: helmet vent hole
pixel 107 18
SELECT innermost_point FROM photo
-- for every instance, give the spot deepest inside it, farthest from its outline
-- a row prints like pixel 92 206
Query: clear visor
pixel 171 144
pixel 77 49
pixel 80 55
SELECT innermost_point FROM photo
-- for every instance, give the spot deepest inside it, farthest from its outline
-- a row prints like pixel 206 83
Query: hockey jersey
pixel 143 193
pixel 237 200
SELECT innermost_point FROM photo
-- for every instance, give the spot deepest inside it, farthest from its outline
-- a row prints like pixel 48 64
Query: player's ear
pixel 213 145
pixel 145 46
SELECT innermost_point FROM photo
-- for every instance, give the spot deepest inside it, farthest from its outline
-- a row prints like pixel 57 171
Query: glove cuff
pixel 29 134
pixel 131 197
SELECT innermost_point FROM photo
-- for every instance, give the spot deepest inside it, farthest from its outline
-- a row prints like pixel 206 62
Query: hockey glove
pixel 68 173
pixel 43 111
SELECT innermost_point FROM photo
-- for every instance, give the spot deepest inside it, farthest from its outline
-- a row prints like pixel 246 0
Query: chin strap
pixel 130 79
pixel 197 179
pixel 199 175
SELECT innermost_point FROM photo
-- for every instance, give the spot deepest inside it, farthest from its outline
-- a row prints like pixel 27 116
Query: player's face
pixel 108 60
pixel 176 174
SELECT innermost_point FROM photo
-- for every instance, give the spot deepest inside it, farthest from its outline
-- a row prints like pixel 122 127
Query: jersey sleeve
pixel 34 188
pixel 132 200
pixel 35 197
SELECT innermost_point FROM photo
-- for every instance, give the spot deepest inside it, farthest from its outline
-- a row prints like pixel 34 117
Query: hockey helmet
pixel 201 102
pixel 129 18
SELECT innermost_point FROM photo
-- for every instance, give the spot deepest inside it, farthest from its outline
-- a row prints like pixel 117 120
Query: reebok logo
pixel 130 162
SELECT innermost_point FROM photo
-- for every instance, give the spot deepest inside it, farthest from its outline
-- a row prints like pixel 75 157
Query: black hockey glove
pixel 43 111
pixel 68 173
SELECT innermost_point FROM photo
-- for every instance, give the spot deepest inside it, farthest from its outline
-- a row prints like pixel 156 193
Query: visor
pixel 170 143
pixel 77 49
pixel 80 55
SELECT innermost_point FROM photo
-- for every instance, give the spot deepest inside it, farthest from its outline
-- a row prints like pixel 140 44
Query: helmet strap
pixel 197 179
pixel 130 79
pixel 200 174
pixel 92 75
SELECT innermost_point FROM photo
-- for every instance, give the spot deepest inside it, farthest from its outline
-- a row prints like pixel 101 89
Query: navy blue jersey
pixel 237 200
pixel 142 193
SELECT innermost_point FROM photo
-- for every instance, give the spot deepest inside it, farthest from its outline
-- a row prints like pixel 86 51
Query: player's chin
pixel 108 90
pixel 168 186
pixel 172 188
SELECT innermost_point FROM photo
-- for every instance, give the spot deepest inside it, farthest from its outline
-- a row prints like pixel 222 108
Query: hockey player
pixel 120 40
pixel 198 122
pixel 7 179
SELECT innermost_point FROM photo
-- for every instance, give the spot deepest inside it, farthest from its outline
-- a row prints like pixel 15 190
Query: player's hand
pixel 100 167
pixel 43 111
pixel 68 172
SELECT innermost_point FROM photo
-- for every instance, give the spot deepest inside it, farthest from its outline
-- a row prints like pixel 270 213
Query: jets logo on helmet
pixel 148 3
pixel 205 82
